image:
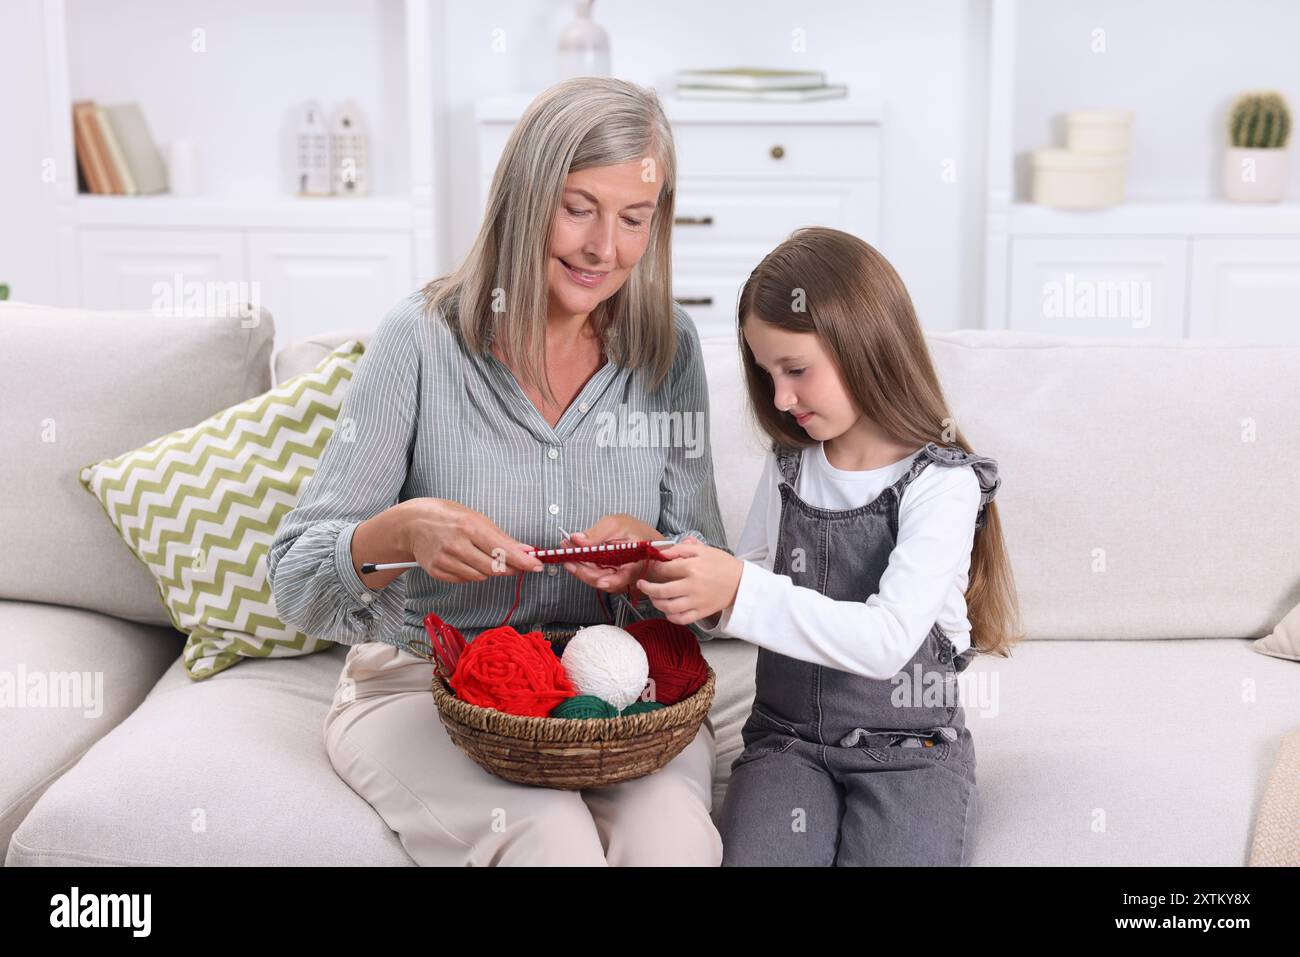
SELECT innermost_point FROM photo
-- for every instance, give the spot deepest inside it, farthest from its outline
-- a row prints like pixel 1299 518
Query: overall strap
pixel 985 468
pixel 789 461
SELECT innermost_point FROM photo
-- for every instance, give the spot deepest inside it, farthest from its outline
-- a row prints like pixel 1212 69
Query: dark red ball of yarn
pixel 514 673
pixel 677 669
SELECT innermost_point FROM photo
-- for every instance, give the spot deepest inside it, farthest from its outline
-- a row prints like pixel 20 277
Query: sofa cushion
pixel 199 508
pixel 228 771
pixel 1151 753
pixel 77 386
pixel 1148 486
pixel 67 677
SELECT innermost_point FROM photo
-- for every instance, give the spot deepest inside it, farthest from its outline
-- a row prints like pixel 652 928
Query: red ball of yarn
pixel 677 669
pixel 514 673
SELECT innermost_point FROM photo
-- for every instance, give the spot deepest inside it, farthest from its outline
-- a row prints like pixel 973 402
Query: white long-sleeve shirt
pixel 924 582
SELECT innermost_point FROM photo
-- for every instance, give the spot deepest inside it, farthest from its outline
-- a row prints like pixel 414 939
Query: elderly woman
pixel 478 421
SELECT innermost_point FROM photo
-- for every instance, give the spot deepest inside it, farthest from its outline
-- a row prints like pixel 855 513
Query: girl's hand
pixel 611 528
pixel 699 582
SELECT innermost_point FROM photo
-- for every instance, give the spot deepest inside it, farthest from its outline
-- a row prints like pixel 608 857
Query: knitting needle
pixel 368 567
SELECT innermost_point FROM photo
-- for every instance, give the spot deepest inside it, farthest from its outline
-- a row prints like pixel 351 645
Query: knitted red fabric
pixel 514 673
pixel 677 669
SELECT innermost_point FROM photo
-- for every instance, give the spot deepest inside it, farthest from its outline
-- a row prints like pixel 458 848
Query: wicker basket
pixel 570 753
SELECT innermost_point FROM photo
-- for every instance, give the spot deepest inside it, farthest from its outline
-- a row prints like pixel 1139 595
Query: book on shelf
pixel 115 152
pixel 751 78
pixel 763 96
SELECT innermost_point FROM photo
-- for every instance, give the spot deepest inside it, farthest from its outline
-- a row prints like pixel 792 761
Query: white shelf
pixel 1168 218
pixel 239 211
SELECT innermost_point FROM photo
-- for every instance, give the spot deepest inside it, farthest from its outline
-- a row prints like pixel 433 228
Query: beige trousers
pixel 385 739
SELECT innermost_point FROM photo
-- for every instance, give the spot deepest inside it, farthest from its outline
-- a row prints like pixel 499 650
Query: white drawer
pixel 708 291
pixel 777 150
pixel 766 213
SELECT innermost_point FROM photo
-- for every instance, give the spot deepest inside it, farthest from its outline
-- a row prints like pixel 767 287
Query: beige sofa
pixel 1149 497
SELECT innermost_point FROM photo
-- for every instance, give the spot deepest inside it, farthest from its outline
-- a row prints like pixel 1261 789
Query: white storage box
pixel 1078 180
pixel 1098 131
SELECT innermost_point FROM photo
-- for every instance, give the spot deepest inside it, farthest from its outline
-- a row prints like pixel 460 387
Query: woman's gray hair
pixel 499 292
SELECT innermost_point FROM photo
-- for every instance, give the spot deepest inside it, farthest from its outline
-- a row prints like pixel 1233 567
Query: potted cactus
pixel 1255 165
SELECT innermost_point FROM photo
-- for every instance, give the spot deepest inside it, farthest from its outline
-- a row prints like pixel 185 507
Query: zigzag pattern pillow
pixel 201 506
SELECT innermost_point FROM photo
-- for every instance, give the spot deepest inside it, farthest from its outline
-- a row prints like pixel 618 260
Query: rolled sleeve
pixel 314 585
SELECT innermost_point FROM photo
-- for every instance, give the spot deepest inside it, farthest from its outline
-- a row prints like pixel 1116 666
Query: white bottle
pixel 584 46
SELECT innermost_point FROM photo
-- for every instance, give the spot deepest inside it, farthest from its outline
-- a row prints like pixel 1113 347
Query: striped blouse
pixel 425 417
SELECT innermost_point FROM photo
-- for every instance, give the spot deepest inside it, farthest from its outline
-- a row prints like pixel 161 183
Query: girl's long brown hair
pixel 833 284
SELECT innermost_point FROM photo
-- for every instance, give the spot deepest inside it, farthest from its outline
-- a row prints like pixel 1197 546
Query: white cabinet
pixel 748 174
pixel 327 281
pixel 1246 289
pixel 139 269
pixel 311 281
pixel 1101 287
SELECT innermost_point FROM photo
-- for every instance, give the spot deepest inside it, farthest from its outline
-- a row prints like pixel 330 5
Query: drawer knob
pixel 778 151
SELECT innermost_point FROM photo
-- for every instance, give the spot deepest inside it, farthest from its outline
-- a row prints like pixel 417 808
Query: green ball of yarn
pixel 641 707
pixel 584 706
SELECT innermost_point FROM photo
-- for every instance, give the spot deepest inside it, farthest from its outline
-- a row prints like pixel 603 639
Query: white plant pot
pixel 1098 131
pixel 1073 180
pixel 1255 175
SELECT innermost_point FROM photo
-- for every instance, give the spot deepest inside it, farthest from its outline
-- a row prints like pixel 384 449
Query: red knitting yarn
pixel 677 669
pixel 514 673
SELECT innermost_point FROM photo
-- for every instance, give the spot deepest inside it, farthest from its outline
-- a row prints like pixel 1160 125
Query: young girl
pixel 870 571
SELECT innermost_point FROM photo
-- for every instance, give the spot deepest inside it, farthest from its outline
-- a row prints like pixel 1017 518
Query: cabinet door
pixel 1099 287
pixel 154 268
pixel 323 282
pixel 748 219
pixel 1246 289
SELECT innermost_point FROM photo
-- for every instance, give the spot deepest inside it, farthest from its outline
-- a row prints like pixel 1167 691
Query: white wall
pixel 929 61
pixel 1178 63
pixel 27 252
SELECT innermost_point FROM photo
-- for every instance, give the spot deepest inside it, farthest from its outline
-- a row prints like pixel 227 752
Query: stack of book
pixel 751 83
pixel 115 153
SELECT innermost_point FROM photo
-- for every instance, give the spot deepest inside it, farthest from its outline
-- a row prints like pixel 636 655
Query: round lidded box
pixel 1073 180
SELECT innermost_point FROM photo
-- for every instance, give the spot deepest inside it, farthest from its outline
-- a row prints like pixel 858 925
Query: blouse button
pixel 583 407
pixel 367 598
pixel 553 509
pixel 551 570
pixel 553 453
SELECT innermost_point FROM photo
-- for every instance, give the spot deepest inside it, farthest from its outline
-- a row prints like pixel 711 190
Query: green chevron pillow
pixel 201 506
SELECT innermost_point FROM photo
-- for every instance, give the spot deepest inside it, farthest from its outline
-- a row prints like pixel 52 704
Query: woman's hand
pixel 699 581
pixel 457 544
pixel 611 528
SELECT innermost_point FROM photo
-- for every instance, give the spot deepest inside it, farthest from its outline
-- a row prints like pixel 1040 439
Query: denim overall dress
pixel 839 769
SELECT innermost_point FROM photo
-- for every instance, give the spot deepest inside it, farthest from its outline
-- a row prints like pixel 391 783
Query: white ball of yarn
pixel 607 662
